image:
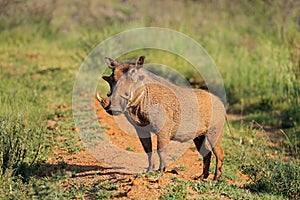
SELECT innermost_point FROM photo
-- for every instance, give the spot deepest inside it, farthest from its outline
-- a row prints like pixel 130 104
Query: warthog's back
pixel 192 111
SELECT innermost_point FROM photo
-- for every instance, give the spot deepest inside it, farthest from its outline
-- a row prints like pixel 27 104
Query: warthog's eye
pixel 125 96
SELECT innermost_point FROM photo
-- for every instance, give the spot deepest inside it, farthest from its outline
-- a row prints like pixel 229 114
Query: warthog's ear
pixel 111 62
pixel 140 61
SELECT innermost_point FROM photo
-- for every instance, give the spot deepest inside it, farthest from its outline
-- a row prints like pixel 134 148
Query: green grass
pixel 217 190
pixel 180 168
pixel 264 165
pixel 274 177
pixel 129 148
pixel 255 45
pixel 175 192
pixel 97 190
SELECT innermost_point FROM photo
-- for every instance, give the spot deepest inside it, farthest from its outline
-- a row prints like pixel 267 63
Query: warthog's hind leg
pixel 163 140
pixel 206 154
pixel 219 153
pixel 161 144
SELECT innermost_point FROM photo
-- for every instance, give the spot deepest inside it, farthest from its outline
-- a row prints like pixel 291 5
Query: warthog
pixel 153 104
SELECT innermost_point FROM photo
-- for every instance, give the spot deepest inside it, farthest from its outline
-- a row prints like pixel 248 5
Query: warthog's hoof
pixel 150 169
pixel 162 169
pixel 173 171
pixel 201 177
pixel 217 177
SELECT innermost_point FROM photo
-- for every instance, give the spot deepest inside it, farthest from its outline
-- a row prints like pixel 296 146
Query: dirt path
pixel 133 186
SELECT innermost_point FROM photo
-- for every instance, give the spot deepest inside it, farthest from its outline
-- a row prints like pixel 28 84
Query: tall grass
pixel 254 44
pixel 21 109
pixel 32 91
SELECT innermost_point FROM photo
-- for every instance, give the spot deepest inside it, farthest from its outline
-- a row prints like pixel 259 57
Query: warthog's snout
pixel 109 112
pixel 105 102
pixel 114 111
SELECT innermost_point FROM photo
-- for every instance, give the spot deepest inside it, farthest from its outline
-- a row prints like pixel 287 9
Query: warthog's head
pixel 128 91
pixel 118 69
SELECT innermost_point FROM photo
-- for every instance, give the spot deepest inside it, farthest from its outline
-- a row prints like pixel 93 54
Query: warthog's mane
pixel 129 62
pixel 150 76
pixel 181 92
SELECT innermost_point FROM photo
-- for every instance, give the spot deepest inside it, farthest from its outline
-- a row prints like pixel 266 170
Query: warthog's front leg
pixel 145 138
pixel 147 145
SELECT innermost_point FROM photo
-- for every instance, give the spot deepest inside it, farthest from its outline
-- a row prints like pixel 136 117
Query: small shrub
pixel 19 145
pixel 103 194
pixel 103 190
pixel 129 148
pixel 290 117
pixel 180 168
pixel 175 192
pixel 35 188
pixel 274 177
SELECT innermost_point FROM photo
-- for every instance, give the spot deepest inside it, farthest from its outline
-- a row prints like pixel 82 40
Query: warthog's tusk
pixel 130 97
pixel 99 98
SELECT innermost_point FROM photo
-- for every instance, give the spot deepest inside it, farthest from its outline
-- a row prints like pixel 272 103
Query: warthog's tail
pixel 229 127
